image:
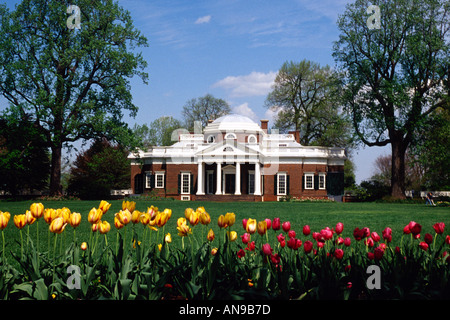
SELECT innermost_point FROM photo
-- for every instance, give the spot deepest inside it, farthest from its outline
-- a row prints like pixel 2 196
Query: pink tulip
pixel 269 223
pixel 286 226
pixel 266 249
pixel 276 224
pixel 339 227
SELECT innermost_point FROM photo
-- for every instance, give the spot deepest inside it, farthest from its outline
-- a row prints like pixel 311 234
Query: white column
pixel 237 187
pixel 219 178
pixel 257 179
pixel 200 179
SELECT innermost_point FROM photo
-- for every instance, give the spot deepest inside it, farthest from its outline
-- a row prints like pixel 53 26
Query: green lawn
pixel 376 216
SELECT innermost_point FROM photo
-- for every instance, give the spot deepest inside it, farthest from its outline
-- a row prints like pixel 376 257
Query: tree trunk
pixel 55 172
pixel 398 168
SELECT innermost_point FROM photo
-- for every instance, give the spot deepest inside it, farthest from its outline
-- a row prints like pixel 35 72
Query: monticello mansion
pixel 235 159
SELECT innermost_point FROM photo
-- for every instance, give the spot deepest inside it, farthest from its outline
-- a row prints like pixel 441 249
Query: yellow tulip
pixel 200 209
pixel 162 218
pixel 37 210
pixel 49 215
pixel 95 215
pixel 205 218
pixel 20 220
pixel 168 213
pixel 213 251
pixel 230 218
pixel 152 211
pixel 94 227
pixel 221 222
pixel 232 235
pixel 251 226
pixel 160 246
pixel 135 216
pixel 117 223
pixel 104 206
pixel 130 205
pixel 188 212
pixel 124 216
pixel 210 235
pixel 168 238
pixel 104 227
pixel 57 225
pixel 30 218
pixel 144 218
pixel 183 228
pixel 83 246
pixel 262 227
pixel 75 219
pixel 194 218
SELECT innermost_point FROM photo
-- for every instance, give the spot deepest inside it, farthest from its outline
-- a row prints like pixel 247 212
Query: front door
pixel 230 183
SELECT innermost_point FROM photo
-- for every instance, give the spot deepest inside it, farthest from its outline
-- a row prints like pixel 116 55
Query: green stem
pixel 3 250
pixel 54 257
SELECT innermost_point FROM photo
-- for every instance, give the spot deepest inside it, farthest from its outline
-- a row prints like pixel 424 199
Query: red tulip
pixel 326 233
pixel 439 227
pixel 250 246
pixel 291 243
pixel 306 230
pixel 358 234
pixel 308 246
pixel 387 234
pixel 286 226
pixel 423 245
pixel 375 236
pixel 276 224
pixel 378 253
pixel 269 223
pixel 414 227
pixel 291 234
pixel 339 227
pixel 266 249
pixel 406 229
pixel 241 253
pixel 245 238
pixel 280 237
pixel 338 254
pixel 347 242
pixel 428 238
pixel 244 223
pixel 369 242
pixel 447 239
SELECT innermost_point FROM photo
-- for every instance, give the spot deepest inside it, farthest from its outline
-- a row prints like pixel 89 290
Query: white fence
pixel 423 194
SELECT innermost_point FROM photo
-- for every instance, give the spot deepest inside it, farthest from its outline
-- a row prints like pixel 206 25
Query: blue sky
pixel 231 49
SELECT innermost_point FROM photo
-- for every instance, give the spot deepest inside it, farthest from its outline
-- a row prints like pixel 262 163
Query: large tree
pixel 74 83
pixel 305 95
pixel 397 74
pixel 204 109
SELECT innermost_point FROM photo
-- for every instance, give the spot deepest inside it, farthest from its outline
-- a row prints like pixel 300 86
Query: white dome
pixel 233 123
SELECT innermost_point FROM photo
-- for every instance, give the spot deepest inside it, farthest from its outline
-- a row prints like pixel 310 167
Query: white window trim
pixel 252 137
pixel 279 174
pixel 188 174
pixel 148 180
pixel 230 136
pixel 159 174
pixel 312 181
pixel 211 139
pixel 323 174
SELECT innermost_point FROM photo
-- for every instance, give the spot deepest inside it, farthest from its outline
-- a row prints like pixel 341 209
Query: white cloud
pixel 204 19
pixel 245 110
pixel 253 84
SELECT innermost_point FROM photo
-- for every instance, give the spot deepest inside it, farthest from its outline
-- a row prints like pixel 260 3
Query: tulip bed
pixel 151 253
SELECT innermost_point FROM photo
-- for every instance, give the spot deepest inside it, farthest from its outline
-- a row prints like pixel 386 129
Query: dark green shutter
pixel 316 182
pixel 287 184
pixel 152 181
pixel 179 183
pixel 192 184
pixel 275 186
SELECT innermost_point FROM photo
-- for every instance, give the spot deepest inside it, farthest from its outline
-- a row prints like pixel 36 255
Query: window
pixel 148 180
pixel 251 182
pixel 322 184
pixel 159 180
pixel 228 149
pixel 210 182
pixel 211 139
pixel 309 180
pixel 185 183
pixel 281 184
pixel 252 139
pixel 230 136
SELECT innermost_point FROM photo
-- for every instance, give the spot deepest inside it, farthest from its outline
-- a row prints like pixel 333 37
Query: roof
pixel 233 123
